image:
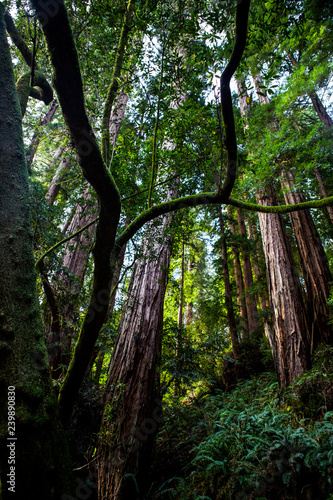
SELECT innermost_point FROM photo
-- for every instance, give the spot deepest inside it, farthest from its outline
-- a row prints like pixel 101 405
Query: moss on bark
pixel 42 465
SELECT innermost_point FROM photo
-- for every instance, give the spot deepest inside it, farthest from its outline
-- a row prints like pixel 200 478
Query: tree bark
pixel 323 192
pixel 189 305
pixel 238 278
pixel 291 340
pixel 227 290
pixel 55 185
pixel 314 264
pixel 250 301
pixel 36 137
pixel 42 464
pixel 263 295
pixel 320 109
pixel 132 409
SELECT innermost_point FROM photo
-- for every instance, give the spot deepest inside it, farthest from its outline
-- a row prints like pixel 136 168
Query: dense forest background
pixel 167 184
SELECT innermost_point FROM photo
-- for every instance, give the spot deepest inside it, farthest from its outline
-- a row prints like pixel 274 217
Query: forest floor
pixel 252 442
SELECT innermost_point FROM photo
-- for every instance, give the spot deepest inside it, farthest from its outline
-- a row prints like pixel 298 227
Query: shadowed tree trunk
pixel 42 464
pixel 263 295
pixel 250 300
pixel 238 278
pixel 227 290
pixel 189 305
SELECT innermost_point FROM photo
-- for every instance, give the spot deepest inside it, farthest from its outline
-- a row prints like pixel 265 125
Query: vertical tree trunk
pixel 55 185
pixel 314 263
pixel 320 109
pixel 227 290
pixel 36 137
pixel 131 409
pixel 291 341
pixel 181 287
pixel 263 295
pixel 323 192
pixel 189 305
pixel 238 278
pixel 250 301
pixel 42 465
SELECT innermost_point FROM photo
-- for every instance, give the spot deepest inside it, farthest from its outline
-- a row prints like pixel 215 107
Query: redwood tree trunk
pixel 314 263
pixel 291 340
pixel 132 409
pixel 239 279
pixel 55 185
pixel 263 294
pixel 227 290
pixel 189 305
pixel 323 192
pixel 250 300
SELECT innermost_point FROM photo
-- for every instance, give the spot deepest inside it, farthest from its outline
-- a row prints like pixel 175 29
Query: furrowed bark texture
pixel 323 192
pixel 314 264
pixel 132 409
pixel 291 341
pixel 250 300
pixel 42 467
pixel 239 279
pixel 227 290
pixel 263 295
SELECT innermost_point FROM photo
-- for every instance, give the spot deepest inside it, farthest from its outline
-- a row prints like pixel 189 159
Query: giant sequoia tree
pixel 41 444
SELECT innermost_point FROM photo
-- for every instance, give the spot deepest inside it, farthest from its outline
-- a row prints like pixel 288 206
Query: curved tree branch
pixel 210 199
pixel 43 91
pixel 226 101
pixel 68 84
pixel 186 202
pixel 113 87
pixel 18 40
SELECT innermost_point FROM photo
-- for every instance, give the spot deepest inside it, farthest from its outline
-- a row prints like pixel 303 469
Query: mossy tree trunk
pixel 42 465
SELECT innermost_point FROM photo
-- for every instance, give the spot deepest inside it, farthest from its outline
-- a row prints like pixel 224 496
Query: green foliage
pixel 251 443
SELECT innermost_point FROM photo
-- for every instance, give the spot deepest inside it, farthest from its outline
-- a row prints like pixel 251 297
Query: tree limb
pixel 43 92
pixel 210 199
pixel 18 40
pixel 226 100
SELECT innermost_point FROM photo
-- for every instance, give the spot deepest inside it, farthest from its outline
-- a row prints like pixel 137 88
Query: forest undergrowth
pixel 252 442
